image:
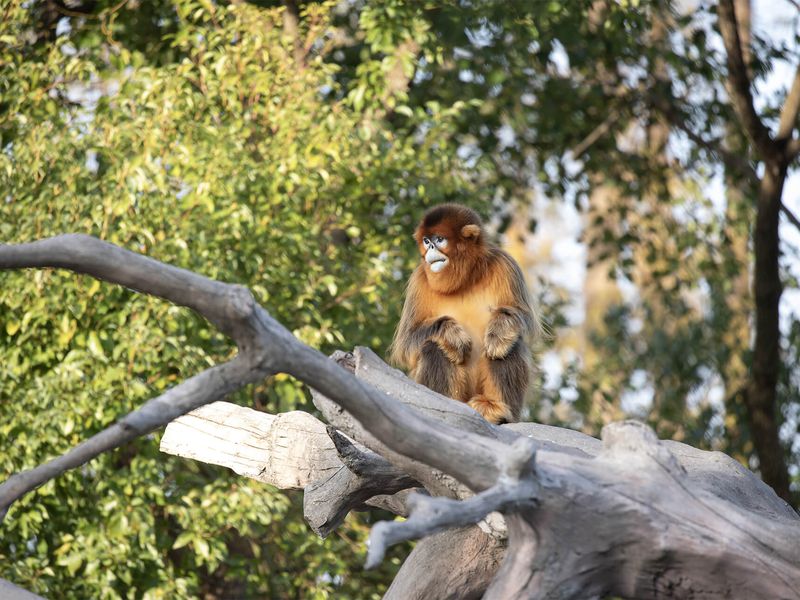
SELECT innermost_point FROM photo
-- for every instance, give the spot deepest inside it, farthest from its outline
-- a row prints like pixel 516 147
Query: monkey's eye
pixel 426 241
pixel 438 240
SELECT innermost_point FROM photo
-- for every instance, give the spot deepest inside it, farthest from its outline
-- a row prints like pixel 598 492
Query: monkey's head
pixel 450 240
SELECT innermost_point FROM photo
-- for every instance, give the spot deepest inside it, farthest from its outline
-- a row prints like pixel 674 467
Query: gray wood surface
pixel 627 515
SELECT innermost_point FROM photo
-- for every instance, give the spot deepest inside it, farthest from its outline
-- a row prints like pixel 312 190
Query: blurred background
pixel 292 147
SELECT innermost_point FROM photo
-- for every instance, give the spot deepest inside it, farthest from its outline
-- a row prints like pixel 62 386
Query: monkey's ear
pixel 470 231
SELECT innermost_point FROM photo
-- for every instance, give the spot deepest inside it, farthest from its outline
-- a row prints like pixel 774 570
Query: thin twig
pixel 739 82
pixel 790 215
pixel 594 135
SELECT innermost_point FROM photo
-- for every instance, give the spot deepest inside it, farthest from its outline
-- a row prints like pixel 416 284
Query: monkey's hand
pixel 452 339
pixel 501 334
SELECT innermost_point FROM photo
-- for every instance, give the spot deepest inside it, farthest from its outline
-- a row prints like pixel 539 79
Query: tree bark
pixel 629 516
pixel 776 153
pixel 761 397
pixel 9 591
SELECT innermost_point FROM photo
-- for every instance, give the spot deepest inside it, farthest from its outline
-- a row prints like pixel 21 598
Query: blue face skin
pixel 434 256
pixel 434 241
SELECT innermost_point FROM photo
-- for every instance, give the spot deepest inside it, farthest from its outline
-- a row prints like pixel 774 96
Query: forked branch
pixel 739 81
pixel 516 489
pixel 265 347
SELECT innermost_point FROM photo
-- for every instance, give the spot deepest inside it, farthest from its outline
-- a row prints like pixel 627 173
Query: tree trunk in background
pixel 772 149
pixel 761 397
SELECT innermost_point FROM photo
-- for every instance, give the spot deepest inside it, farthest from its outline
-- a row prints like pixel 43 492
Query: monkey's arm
pixel 506 326
pixel 418 326
pixel 514 318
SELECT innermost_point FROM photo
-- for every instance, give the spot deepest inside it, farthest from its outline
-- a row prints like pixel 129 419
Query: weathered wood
pixel 452 565
pixel 9 591
pixel 289 450
pixel 370 369
pixel 327 501
pixel 669 511
pixel 650 519
pixel 632 517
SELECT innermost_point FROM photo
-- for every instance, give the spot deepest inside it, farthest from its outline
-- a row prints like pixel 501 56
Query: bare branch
pixel 790 215
pixel 732 160
pixel 327 502
pixel 516 488
pixel 9 591
pixel 226 306
pixel 594 135
pixel 707 497
pixel 431 515
pixel 739 82
pixel 716 146
pixel 265 347
pixel 791 107
pixel 291 450
pixel 288 450
pixel 674 519
pixel 210 385
pixel 439 409
pixel 470 458
pixel 362 461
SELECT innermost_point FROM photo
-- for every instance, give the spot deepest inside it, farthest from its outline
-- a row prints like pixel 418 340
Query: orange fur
pixel 464 330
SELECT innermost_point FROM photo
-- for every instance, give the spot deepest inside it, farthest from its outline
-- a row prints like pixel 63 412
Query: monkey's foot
pixel 494 411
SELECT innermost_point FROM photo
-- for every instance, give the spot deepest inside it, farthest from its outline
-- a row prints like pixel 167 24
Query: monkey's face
pixel 450 243
pixel 434 247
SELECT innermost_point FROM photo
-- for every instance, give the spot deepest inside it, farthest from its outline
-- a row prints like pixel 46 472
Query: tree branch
pixel 791 107
pixel 227 306
pixel 790 215
pixel 733 160
pixel 674 520
pixel 266 347
pixel 208 386
pixel 288 450
pixel 566 549
pixel 368 368
pixel 516 488
pixel 594 135
pixel 739 82
pixel 458 563
pixel 327 501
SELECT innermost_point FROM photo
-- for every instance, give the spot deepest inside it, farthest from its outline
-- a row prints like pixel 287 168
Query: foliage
pixel 566 99
pixel 227 159
pixel 290 147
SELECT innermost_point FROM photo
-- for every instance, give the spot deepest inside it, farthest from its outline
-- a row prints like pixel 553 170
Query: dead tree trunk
pixel 629 516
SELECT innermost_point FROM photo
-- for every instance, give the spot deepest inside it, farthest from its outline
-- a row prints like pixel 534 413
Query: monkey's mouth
pixel 436 260
pixel 438 265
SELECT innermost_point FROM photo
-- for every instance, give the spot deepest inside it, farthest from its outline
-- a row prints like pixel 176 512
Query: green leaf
pixel 183 539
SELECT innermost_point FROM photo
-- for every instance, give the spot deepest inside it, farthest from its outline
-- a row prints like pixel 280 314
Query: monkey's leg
pixel 437 372
pixel 501 386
